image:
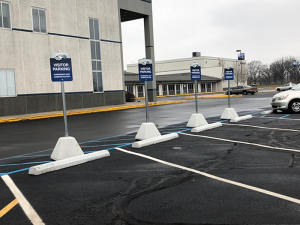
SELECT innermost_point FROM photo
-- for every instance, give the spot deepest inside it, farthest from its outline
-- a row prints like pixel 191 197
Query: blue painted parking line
pixel 21 170
pixel 29 163
pixel 20 156
pixel 123 135
pixel 16 171
pixel 180 131
pixel 96 146
pixel 285 116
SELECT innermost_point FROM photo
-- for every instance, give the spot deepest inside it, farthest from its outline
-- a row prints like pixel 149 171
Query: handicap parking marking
pixel 25 205
pixel 242 142
pixel 245 186
pixel 268 128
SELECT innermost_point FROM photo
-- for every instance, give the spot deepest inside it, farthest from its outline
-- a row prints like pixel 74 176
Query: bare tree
pixel 254 71
pixel 266 76
pixel 282 70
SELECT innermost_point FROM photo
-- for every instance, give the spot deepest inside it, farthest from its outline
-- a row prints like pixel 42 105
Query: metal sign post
pixel 146 74
pixel 146 101
pixel 229 75
pixel 64 108
pixel 196 75
pixel 229 94
pixel 61 70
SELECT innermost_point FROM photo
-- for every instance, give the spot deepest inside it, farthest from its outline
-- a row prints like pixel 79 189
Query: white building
pixel 173 76
pixel 89 30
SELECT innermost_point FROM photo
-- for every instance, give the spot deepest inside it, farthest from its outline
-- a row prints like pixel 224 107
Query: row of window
pixel 40 25
pixel 38 18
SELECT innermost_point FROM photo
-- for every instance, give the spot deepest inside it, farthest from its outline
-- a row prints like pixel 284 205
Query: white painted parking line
pixel 242 142
pixel 269 128
pixel 25 205
pixel 249 187
pixel 273 117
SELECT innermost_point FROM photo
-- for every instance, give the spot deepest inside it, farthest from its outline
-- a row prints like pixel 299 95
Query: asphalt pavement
pixel 240 173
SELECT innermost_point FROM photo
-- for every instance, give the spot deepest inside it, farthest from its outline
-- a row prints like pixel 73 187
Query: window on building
pixel 4 15
pixel 171 87
pixel 7 83
pixel 39 20
pixel 95 55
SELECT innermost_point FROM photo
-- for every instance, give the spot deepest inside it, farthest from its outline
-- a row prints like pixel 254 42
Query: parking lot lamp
pixel 295 65
pixel 241 57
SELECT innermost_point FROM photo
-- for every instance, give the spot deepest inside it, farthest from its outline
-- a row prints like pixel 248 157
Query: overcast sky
pixel 264 30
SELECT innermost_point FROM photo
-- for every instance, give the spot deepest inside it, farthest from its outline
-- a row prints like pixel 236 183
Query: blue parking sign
pixel 195 71
pixel 229 74
pixel 145 70
pixel 61 67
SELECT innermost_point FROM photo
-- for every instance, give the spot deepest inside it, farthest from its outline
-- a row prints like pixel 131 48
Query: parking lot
pixel 240 173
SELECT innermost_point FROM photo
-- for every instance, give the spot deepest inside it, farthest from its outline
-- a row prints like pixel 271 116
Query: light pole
pixel 241 57
pixel 295 64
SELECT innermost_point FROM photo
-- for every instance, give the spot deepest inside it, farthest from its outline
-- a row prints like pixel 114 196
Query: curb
pixel 25 118
pixel 221 96
pixel 200 93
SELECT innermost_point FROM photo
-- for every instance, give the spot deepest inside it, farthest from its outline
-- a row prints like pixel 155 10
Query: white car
pixel 285 87
pixel 288 100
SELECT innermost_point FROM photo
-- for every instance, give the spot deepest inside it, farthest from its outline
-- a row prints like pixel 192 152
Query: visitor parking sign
pixel 145 70
pixel 195 71
pixel 228 73
pixel 61 67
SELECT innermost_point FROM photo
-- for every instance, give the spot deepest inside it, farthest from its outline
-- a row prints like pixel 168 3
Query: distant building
pixel 173 76
pixel 87 29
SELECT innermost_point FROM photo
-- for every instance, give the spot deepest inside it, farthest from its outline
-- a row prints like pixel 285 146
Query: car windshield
pixel 296 88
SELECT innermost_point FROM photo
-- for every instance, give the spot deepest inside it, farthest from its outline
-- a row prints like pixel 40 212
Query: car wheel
pixel 252 93
pixel 245 92
pixel 278 89
pixel 294 106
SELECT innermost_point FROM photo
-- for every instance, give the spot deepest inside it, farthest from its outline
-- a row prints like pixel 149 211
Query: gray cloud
pixel 264 29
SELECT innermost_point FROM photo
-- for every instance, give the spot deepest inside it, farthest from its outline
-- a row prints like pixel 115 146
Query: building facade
pixel 89 30
pixel 173 76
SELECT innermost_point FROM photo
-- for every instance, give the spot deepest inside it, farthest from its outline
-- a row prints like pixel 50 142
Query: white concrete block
pixel 197 120
pixel 66 147
pixel 229 113
pixel 154 140
pixel 206 127
pixel 146 131
pixel 267 112
pixel 64 163
pixel 234 120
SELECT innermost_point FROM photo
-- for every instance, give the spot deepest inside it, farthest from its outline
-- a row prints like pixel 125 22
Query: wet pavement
pixel 240 173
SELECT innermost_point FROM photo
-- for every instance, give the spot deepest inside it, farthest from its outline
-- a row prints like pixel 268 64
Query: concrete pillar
pixel 199 87
pixel 144 90
pixel 181 88
pixel 133 89
pixel 160 90
pixel 205 87
pixel 149 45
pixel 168 89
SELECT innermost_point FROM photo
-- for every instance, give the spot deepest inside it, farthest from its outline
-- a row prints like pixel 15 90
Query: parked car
pixel 285 87
pixel 288 100
pixel 243 90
